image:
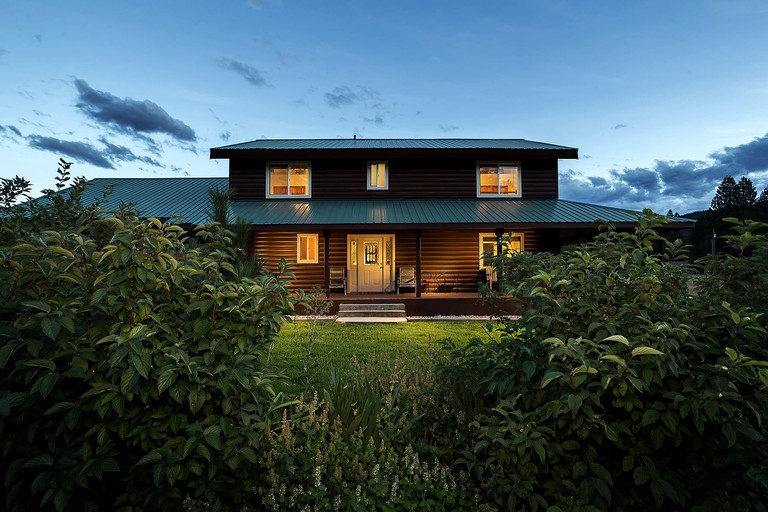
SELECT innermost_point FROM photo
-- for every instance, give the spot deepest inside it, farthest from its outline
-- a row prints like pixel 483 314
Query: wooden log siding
pixel 442 251
pixel 408 178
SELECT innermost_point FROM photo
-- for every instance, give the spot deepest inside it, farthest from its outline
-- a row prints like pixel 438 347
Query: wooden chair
pixel 337 278
pixel 447 280
pixel 406 278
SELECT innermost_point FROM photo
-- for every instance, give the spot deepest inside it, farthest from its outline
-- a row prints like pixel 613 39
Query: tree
pixel 763 196
pixel 725 195
pixel 745 192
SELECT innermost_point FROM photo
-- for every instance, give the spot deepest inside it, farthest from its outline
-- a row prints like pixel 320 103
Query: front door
pixel 371 269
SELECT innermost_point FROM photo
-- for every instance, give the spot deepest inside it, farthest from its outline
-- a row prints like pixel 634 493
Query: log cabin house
pixel 409 218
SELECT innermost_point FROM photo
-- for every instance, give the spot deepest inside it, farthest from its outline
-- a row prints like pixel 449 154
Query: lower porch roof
pixel 186 199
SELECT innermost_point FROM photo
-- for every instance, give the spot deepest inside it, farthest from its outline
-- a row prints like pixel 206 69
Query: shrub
pixel 621 388
pixel 131 367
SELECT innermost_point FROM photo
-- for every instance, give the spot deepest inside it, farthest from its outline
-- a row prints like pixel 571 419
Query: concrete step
pixel 370 320
pixel 371 313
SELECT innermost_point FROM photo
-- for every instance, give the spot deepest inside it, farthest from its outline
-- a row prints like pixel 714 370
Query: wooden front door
pixel 371 267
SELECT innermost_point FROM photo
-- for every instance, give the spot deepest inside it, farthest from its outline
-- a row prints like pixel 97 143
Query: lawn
pixel 336 346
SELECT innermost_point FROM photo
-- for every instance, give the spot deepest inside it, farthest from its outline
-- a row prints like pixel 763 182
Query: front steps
pixel 371 313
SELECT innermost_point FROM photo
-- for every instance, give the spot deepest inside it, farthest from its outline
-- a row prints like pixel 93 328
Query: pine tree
pixel 725 195
pixel 763 196
pixel 746 193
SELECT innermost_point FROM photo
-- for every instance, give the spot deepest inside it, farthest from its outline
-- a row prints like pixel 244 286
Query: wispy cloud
pixel 345 95
pixel 76 150
pixel 448 128
pixel 619 126
pixel 9 132
pixel 681 184
pixel 130 117
pixel 251 75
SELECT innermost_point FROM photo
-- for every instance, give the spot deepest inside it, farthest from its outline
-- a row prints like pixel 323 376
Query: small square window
pixel 288 179
pixel 498 179
pixel 378 177
pixel 306 248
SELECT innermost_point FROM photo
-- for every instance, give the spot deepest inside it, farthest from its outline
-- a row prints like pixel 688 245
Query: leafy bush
pixel 131 367
pixel 625 385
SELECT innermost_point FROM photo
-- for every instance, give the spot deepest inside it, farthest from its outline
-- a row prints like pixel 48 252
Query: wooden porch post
pixel 417 232
pixel 326 257
pixel 499 232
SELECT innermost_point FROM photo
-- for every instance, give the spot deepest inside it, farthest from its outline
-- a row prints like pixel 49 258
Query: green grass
pixel 337 345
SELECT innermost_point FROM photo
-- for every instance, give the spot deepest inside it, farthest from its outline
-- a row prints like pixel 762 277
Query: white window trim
pixel 289 163
pixel 386 175
pixel 491 162
pixel 314 240
pixel 484 236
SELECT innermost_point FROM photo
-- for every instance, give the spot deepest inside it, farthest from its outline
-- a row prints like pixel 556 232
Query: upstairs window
pixel 497 179
pixel 378 177
pixel 288 180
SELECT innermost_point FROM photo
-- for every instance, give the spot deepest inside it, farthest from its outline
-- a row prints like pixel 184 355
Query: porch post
pixel 417 232
pixel 499 232
pixel 326 257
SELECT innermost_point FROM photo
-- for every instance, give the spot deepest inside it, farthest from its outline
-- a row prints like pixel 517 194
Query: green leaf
pixel 150 458
pixel 248 454
pixel 574 403
pixel 36 304
pixel 5 353
pixel 166 380
pixel 640 475
pixel 618 338
pixel 529 368
pixel 646 351
pixel 51 327
pixel 650 417
pixel 59 407
pixel 579 469
pixel 41 461
pixel 613 358
pixel 196 398
pixel 41 363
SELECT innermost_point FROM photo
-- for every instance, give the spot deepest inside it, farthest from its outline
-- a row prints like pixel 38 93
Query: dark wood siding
pixel 408 178
pixel 441 251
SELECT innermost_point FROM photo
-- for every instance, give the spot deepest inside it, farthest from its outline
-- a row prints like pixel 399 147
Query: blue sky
pixel 663 99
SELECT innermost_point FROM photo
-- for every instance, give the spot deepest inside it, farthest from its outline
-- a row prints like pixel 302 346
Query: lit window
pixel 306 248
pixel 377 176
pixel 495 179
pixel 286 180
pixel 511 243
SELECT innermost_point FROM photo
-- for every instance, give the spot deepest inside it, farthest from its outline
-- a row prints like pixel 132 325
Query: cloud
pixel 344 96
pixel 123 154
pixel 251 75
pixel 129 116
pixel 75 150
pixel 619 126
pixel 225 135
pixel 377 120
pixel 681 184
pixel 448 128
pixel 9 132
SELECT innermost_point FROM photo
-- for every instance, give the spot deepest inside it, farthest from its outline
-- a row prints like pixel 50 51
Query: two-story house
pixel 373 210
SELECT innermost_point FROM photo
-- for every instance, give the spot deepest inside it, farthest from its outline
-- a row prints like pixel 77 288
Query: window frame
pixel 484 236
pixel 498 164
pixel 288 194
pixel 314 240
pixel 386 175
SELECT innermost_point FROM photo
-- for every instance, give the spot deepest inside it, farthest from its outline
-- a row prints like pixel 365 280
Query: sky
pixel 663 99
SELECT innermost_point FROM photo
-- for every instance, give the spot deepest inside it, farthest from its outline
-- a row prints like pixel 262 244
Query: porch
pixel 429 304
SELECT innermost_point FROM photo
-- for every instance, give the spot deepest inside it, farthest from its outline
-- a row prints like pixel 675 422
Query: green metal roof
pixel 336 144
pixel 187 199
pixel 415 212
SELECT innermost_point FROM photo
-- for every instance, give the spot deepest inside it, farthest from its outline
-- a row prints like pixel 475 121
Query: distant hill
pixel 694 215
